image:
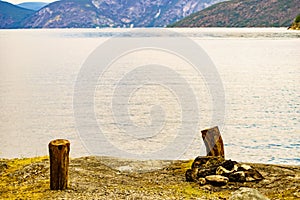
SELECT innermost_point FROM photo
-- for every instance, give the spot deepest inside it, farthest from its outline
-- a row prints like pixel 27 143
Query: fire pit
pixel 218 172
pixel 214 169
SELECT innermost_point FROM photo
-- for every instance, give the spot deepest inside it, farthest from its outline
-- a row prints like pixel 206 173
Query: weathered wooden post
pixel 213 142
pixel 59 163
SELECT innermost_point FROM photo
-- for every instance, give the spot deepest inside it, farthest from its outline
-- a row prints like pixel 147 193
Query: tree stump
pixel 59 163
pixel 213 142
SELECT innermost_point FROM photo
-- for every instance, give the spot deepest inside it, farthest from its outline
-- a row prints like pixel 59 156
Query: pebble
pixel 221 170
pixel 202 181
pixel 246 167
pixel 207 187
pixel 3 166
pixel 238 176
pixel 217 179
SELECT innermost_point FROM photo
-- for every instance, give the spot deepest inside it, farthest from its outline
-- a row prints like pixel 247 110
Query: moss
pixel 295 26
pixel 296 23
pixel 286 194
pixel 183 166
pixel 12 187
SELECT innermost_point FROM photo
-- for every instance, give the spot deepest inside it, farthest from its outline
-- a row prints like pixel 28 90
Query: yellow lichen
pixel 11 187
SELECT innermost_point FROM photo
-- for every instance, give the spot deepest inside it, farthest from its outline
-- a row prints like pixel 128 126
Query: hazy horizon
pixel 22 1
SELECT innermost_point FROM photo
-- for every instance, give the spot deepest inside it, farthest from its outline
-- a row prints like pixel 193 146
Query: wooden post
pixel 59 163
pixel 213 142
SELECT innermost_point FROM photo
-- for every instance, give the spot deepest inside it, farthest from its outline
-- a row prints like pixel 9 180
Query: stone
pixel 247 194
pixel 207 187
pixel 217 179
pixel 205 172
pixel 221 170
pixel 297 194
pixel 3 166
pixel 206 166
pixel 207 161
pixel 253 175
pixel 245 167
pixel 243 173
pixel 201 181
pixel 125 169
pixel 229 164
pixel 237 177
pixel 235 168
pixel 191 174
pixel 249 179
pixel 188 175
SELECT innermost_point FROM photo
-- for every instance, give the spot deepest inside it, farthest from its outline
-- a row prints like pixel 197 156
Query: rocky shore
pixel 113 178
pixel 296 24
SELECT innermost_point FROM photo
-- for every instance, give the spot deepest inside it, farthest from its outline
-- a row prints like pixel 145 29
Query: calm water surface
pixel 259 69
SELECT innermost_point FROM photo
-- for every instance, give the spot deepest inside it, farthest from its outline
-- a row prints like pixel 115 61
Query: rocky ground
pixel 111 178
pixel 295 26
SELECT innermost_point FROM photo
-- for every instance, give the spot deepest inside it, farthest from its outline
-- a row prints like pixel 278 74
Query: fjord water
pixel 259 69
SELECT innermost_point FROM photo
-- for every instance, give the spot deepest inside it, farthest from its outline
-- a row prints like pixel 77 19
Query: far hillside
pixel 32 5
pixel 244 13
pixel 11 15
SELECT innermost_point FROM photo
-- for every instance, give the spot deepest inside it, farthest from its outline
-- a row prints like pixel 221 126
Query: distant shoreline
pixel 136 28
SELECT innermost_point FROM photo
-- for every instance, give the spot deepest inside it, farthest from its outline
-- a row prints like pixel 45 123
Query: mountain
pixel 244 13
pixel 32 5
pixel 11 16
pixel 114 13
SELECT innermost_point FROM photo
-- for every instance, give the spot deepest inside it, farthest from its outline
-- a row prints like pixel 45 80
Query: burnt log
pixel 213 142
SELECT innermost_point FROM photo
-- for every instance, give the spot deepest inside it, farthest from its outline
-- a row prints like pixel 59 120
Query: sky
pixel 21 1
